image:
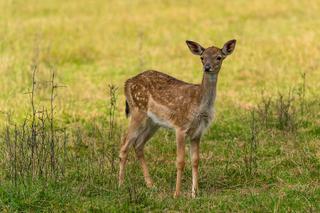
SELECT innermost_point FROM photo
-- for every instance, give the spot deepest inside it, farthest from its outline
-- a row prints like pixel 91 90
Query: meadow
pixel 63 65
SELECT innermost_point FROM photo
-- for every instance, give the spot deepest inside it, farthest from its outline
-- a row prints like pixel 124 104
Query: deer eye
pixel 219 57
pixel 201 58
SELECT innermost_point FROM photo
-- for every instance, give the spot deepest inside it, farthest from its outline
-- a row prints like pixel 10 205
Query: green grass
pixel 96 43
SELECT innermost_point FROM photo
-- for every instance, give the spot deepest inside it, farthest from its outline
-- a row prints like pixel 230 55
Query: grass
pixel 261 153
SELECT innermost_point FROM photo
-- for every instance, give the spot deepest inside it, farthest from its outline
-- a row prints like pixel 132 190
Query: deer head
pixel 212 57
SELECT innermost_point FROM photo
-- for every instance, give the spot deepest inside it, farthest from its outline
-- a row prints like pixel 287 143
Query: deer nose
pixel 207 67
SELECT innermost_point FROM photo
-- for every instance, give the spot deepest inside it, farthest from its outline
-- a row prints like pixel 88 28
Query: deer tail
pixel 127 109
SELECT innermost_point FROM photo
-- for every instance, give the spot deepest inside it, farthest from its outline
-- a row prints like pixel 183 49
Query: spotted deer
pixel 155 99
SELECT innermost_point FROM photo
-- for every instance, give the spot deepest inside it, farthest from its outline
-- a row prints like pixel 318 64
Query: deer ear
pixel 195 48
pixel 229 47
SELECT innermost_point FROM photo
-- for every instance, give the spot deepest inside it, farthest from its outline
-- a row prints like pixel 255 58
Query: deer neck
pixel 208 90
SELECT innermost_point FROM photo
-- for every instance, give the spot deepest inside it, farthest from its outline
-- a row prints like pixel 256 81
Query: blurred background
pixel 60 134
pixel 95 43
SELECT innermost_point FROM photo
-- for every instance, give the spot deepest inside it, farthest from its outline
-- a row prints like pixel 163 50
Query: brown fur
pixel 162 89
pixel 156 99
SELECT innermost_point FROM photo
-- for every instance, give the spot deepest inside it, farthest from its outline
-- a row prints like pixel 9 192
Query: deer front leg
pixel 180 137
pixel 195 164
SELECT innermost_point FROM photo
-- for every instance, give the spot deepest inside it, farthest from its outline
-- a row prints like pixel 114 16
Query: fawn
pixel 155 99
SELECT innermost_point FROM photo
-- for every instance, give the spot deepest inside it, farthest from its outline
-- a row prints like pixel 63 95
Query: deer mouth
pixel 216 70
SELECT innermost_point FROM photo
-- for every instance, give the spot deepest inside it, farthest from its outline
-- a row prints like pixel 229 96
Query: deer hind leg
pixel 136 127
pixel 148 132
